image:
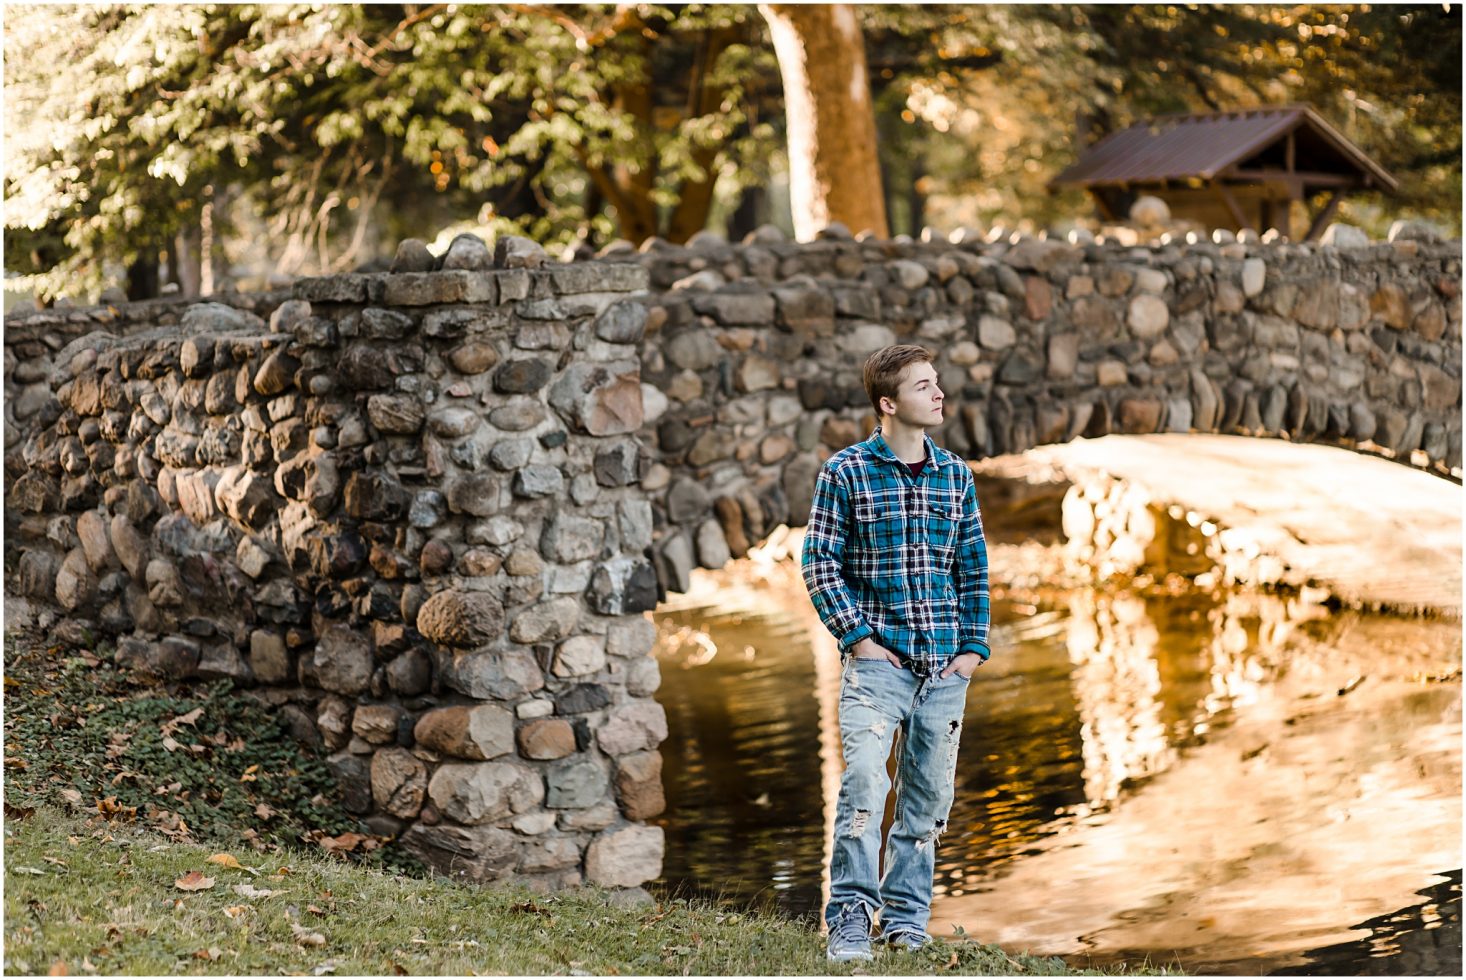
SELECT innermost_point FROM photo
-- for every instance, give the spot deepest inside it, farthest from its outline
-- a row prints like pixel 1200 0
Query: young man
pixel 896 565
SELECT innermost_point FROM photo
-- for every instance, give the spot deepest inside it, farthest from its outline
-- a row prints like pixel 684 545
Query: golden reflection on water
pixel 1137 773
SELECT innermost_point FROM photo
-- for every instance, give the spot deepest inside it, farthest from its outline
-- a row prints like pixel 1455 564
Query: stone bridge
pixel 424 512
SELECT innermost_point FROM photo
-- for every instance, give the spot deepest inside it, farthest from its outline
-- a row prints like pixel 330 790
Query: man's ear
pixel 888 401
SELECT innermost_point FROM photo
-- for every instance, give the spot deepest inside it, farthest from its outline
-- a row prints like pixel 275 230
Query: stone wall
pixel 752 356
pixel 406 510
pixel 424 512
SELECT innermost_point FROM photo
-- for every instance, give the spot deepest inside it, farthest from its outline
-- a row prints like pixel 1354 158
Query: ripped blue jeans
pixel 878 700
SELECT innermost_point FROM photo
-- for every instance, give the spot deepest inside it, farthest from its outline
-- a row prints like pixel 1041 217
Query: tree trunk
pixel 833 171
pixel 142 276
pixel 190 261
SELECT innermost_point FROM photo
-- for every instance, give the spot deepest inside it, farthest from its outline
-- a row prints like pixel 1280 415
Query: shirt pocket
pixel 878 524
pixel 943 522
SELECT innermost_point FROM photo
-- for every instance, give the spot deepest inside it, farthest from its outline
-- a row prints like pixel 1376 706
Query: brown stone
pixel 546 738
pixel 837 433
pixel 1390 305
pixel 730 516
pixel 376 723
pixel 1038 297
pixel 483 731
pixel 399 782
pixel 1139 415
pixel 639 785
pixel 461 619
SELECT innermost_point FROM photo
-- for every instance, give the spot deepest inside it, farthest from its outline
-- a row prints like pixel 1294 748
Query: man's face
pixel 918 400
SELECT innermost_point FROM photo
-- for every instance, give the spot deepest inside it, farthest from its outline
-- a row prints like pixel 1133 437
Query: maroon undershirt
pixel 916 468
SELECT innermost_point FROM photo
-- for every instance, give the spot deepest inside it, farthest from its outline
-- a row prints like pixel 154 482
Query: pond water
pixel 1229 784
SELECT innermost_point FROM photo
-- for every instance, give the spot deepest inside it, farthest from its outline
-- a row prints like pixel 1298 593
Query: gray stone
pixel 539 481
pixel 995 333
pixel 633 727
pixel 396 414
pixel 413 256
pixel 341 661
pixel 687 502
pixel 478 854
pixel 568 539
pixel 576 784
pixel 1148 316
pixel 623 322
pixel 506 676
pixel 578 656
pixel 1254 277
pixel 548 621
pixel 693 350
pixel 514 252
pixel 626 857
pixel 427 288
pixel 475 793
pixel 468 252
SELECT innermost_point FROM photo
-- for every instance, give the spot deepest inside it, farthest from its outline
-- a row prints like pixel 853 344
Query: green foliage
pixel 349 126
pixel 80 732
pixel 1389 77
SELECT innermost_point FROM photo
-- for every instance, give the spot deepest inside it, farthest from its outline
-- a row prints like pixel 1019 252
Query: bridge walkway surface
pixel 1375 533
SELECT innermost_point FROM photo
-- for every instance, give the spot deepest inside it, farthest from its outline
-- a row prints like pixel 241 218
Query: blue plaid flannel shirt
pixel 897 558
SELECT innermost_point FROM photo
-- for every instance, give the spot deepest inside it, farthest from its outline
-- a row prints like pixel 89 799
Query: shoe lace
pixel 852 926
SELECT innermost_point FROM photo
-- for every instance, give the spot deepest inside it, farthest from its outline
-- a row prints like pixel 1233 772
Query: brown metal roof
pixel 1202 146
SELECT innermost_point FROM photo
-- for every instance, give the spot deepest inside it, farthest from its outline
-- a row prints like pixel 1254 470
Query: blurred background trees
pixel 199 145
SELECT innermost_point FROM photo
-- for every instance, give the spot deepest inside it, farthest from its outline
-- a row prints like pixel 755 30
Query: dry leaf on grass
pixel 306 937
pixel 226 860
pixel 193 882
pixel 250 891
pixel 58 969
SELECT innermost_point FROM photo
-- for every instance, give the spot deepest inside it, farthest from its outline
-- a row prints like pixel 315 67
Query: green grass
pixel 103 817
pixel 92 896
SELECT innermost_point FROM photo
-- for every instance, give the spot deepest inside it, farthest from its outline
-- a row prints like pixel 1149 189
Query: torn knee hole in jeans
pixel 858 822
pixel 932 836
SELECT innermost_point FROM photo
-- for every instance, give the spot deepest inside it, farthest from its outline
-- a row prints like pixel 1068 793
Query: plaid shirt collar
pixel 876 446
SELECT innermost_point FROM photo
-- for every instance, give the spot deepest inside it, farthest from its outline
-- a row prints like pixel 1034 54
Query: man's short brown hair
pixel 883 370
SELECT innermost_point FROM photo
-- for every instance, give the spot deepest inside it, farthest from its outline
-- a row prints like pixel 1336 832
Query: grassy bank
pixel 167 830
pixel 92 896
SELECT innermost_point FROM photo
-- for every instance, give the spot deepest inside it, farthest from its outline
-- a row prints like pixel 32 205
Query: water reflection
pixel 1138 775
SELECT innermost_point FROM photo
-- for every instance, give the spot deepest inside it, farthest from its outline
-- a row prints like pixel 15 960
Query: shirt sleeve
pixel 970 577
pixel 823 556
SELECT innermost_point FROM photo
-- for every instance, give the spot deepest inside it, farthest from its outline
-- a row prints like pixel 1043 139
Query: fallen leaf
pixel 56 861
pixel 227 860
pixel 250 891
pixel 71 796
pixel 321 969
pixel 264 811
pixel 248 776
pixel 235 911
pixel 212 953
pixel 27 870
pixel 306 937
pixel 313 910
pixel 171 726
pixel 58 969
pixel 171 744
pixel 193 882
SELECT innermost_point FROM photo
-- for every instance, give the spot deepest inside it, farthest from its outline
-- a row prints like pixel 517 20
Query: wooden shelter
pixel 1232 170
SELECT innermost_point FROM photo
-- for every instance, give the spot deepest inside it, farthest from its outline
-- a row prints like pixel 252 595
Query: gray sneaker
pixel 906 939
pixel 850 936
